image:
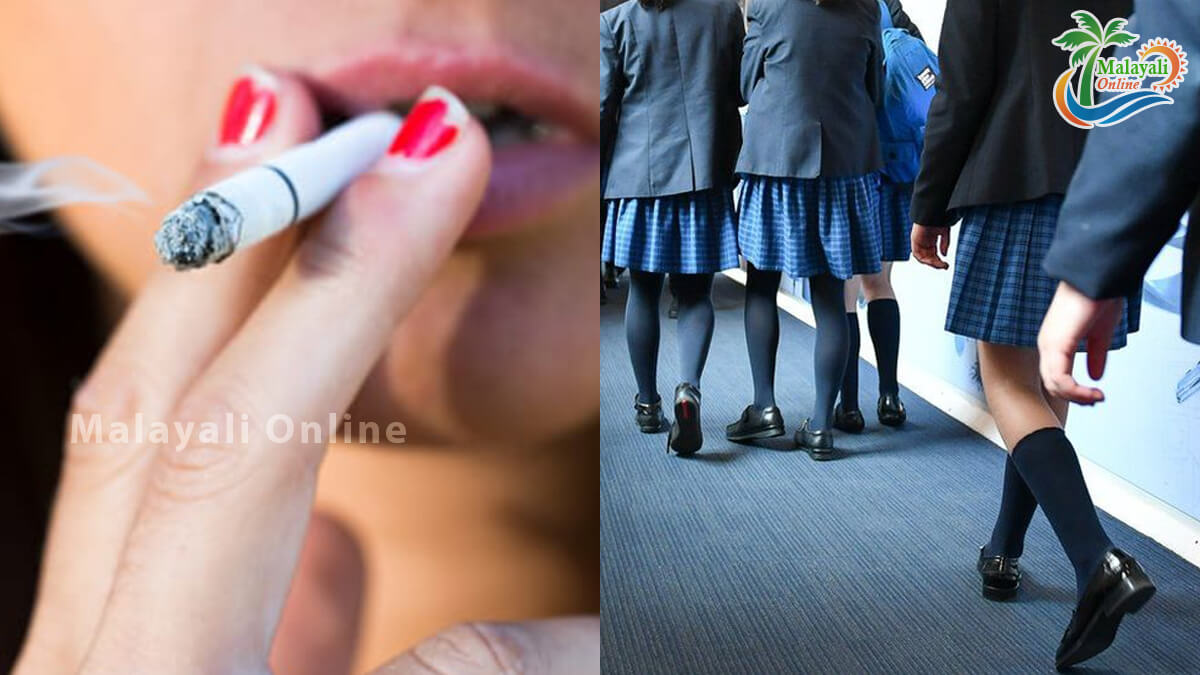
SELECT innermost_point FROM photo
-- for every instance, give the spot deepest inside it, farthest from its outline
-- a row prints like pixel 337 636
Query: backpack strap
pixel 885 16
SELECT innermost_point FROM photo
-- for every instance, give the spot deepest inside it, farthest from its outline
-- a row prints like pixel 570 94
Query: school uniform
pixel 809 165
pixel 1135 182
pixel 895 199
pixel 998 156
pixel 670 135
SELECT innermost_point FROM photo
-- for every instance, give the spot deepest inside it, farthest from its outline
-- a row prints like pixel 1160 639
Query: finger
pixel 319 627
pixel 1100 338
pixel 301 356
pixel 172 331
pixel 944 240
pixel 1056 367
pixel 550 647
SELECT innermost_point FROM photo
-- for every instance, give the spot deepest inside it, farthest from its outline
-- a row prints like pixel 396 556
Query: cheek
pixel 505 346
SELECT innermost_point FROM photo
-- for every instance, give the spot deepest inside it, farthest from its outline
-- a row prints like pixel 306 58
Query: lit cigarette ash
pixel 257 203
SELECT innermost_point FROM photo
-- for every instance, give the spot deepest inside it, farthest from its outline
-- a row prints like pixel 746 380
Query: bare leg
pixel 853 287
pixel 1014 392
pixel 878 286
pixel 1042 455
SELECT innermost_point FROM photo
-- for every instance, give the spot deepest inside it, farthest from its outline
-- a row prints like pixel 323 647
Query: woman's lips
pixel 531 181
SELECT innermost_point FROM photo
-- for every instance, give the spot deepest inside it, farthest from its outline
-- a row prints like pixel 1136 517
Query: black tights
pixel 762 339
pixel 695 327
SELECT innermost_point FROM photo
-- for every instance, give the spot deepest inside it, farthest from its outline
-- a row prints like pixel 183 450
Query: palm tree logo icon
pixel 1078 105
pixel 1085 44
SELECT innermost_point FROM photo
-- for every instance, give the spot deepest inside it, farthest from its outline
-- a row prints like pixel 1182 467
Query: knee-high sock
pixel 762 331
pixel 695 326
pixel 850 378
pixel 1017 506
pixel 883 320
pixel 1047 462
pixel 641 331
pixel 829 355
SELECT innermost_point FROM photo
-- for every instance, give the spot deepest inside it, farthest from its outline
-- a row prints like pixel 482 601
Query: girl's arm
pixel 753 56
pixel 964 92
pixel 612 87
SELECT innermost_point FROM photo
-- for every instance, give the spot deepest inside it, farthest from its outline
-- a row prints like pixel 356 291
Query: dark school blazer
pixel 812 77
pixel 993 135
pixel 669 121
pixel 1134 183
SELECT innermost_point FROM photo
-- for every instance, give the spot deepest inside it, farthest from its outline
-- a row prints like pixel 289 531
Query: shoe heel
pixel 1132 593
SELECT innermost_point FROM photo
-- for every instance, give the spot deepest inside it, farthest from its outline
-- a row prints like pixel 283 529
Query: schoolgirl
pixel 670 137
pixel 811 74
pixel 998 156
pixel 883 311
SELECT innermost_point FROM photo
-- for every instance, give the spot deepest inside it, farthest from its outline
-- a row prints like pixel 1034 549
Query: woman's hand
pixel 177 559
pixel 927 242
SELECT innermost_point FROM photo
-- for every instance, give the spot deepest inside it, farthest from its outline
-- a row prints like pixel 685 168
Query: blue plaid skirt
pixel 1000 292
pixel 692 233
pixel 895 227
pixel 811 226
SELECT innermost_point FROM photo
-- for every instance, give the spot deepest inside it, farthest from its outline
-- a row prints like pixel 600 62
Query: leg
pixel 1042 455
pixel 696 319
pixel 829 356
pixel 641 331
pixel 883 320
pixel 849 393
pixel 762 331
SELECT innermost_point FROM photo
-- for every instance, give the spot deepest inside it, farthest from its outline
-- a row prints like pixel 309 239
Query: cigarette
pixel 250 206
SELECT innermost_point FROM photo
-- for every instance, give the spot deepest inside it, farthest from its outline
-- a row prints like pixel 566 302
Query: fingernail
pixel 249 109
pixel 431 127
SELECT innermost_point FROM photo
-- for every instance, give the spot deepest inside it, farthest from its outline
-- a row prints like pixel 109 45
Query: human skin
pixel 489 510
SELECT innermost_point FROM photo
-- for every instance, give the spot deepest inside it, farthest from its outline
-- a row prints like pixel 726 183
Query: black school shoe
pixel 891 410
pixel 850 421
pixel 649 416
pixel 818 444
pixel 686 437
pixel 1118 587
pixel 756 424
pixel 1001 576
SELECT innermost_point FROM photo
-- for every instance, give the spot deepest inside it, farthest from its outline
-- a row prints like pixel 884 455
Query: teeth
pixel 504 125
pixel 483 111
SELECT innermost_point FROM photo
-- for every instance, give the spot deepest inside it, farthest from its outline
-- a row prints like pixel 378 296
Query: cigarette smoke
pixel 37 187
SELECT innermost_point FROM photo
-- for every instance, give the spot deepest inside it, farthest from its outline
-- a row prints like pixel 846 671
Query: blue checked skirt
pixel 692 233
pixel 1000 292
pixel 895 227
pixel 811 226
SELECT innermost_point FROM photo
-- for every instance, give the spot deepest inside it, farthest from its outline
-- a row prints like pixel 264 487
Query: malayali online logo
pixel 1143 84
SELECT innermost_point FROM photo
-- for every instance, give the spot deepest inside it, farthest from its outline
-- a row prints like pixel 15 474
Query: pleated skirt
pixel 1000 292
pixel 895 227
pixel 692 233
pixel 806 227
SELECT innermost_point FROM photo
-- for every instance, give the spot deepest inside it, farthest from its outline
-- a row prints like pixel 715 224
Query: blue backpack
pixel 910 73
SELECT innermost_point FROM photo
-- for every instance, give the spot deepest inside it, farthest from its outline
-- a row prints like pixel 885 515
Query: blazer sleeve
pixel 612 86
pixel 875 71
pixel 964 92
pixel 1135 179
pixel 753 55
pixel 901 20
pixel 738 30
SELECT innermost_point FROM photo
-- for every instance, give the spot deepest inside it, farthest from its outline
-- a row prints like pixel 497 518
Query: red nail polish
pixel 249 111
pixel 426 131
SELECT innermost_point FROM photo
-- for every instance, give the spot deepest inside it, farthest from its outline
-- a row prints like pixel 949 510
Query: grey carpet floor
pixel 759 560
